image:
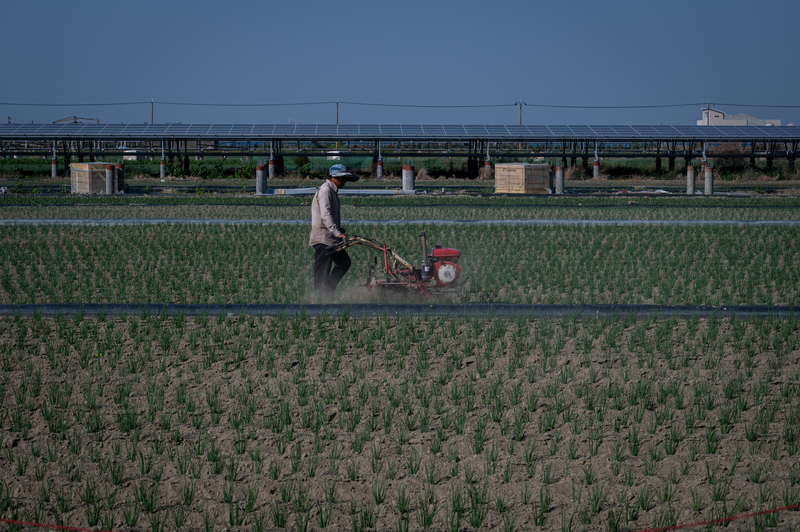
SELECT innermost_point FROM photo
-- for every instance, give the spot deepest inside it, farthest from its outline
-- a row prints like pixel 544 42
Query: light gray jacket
pixel 325 215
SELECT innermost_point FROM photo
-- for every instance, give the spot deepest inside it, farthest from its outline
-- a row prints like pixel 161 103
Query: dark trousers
pixel 325 279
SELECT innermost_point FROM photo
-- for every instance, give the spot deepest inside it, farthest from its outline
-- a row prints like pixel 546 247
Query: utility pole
pixel 520 103
pixel 151 111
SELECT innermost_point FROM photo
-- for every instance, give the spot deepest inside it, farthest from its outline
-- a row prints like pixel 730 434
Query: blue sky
pixel 431 53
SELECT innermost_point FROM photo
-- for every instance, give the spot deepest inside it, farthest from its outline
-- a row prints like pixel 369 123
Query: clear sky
pixel 421 53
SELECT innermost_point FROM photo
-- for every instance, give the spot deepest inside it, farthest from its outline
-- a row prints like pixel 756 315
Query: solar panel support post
pixel 560 180
pixel 260 179
pixel 709 181
pixel 109 179
pixel 54 163
pixel 408 178
pixel 690 179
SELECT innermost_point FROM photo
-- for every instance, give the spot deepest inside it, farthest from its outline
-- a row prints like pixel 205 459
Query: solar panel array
pixel 393 131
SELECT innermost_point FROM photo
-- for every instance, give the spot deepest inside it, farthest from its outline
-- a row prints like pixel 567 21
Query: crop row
pixel 272 264
pixel 427 200
pixel 354 212
pixel 252 423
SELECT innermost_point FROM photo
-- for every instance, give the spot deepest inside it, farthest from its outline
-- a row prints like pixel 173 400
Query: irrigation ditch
pixel 363 310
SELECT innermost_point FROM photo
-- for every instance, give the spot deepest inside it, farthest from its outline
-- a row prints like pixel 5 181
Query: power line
pixel 417 106
pixel 429 106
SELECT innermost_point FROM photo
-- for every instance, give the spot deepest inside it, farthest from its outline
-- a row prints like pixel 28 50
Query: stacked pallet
pixel 90 178
pixel 522 178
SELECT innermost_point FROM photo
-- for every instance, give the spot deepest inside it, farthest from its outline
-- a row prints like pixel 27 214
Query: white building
pixel 715 117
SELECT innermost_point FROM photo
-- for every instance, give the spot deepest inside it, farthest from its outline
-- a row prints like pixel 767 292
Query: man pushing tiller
pixel 326 231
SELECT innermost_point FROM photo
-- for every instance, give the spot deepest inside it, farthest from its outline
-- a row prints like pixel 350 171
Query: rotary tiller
pixel 438 273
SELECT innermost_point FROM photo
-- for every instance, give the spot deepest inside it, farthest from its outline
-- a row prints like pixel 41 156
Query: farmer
pixel 326 230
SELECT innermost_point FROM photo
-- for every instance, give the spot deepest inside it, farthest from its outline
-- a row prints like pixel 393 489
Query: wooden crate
pixel 90 178
pixel 522 178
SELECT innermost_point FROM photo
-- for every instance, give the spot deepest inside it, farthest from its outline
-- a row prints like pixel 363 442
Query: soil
pixel 602 385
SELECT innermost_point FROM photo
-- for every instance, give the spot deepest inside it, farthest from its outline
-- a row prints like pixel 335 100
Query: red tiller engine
pixel 442 265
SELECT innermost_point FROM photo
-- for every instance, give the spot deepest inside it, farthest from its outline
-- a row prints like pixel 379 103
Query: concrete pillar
pixel 271 170
pixel 54 169
pixel 261 180
pixel 487 170
pixel 163 169
pixel 109 179
pixel 690 179
pixel 408 177
pixel 379 170
pixel 596 170
pixel 709 181
pixel 560 180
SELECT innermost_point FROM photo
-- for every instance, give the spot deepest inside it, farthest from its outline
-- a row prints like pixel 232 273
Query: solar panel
pixel 136 129
pixel 177 129
pixel 476 130
pixel 219 129
pixel 241 129
pixel 458 131
pixel 305 129
pixel 540 131
pixel 517 131
pixel 369 129
pixel 582 131
pixel 433 130
pixel 156 129
pixel 263 129
pixel 332 129
pixel 198 129
pixel 645 131
pixel 497 131
pixel 284 129
pixel 414 130
pixel 48 129
pixel 71 129
pixel 391 129
pixel 768 131
pixel 561 131
pixel 604 131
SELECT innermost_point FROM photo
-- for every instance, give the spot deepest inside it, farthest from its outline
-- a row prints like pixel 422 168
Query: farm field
pixel 245 423
pixel 218 422
pixel 272 264
pixel 446 207
pixel 406 212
